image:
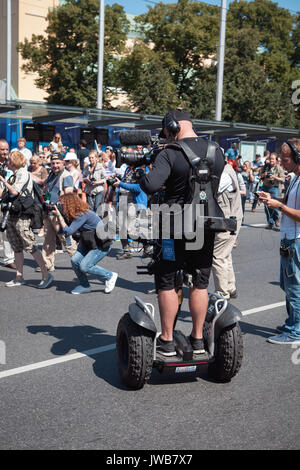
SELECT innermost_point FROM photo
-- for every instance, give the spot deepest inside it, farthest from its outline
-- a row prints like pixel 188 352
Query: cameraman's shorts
pixel 198 263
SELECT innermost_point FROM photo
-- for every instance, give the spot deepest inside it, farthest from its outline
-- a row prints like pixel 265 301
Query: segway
pixel 136 344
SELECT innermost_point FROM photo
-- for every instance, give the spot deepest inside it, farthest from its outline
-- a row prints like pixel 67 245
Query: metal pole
pixel 221 55
pixel 100 55
pixel 8 49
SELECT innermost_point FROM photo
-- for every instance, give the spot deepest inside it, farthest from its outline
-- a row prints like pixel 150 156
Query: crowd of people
pixel 75 186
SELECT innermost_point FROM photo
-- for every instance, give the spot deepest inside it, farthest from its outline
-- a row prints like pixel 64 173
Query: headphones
pixel 295 151
pixel 172 125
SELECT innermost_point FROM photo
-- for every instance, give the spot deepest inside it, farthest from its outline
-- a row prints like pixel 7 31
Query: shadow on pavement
pixel 84 339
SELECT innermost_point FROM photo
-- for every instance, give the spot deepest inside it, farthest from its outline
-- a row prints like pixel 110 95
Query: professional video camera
pixel 138 137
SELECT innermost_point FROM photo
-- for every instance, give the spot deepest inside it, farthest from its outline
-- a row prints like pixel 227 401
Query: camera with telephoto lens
pixel 138 137
pixel 5 208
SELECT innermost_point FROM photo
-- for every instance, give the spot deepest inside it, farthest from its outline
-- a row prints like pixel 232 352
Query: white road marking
pixel 109 347
pixel 263 308
pixel 58 360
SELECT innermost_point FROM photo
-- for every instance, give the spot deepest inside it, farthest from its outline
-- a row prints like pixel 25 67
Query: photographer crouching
pixel 81 222
pixel 18 230
pixel 290 243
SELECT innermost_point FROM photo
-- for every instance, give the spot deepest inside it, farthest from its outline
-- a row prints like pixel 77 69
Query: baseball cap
pixel 56 156
pixel 176 115
pixel 109 148
pixel 71 156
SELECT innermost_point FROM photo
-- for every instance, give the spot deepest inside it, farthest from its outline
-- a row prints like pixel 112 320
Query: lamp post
pixel 221 54
pixel 100 55
pixel 8 49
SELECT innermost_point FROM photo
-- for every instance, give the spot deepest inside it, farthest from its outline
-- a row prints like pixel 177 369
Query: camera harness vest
pixel 203 187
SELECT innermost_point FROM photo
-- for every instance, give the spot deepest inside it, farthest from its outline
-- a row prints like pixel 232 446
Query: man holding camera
pixel 272 176
pixel 171 169
pixel 9 257
pixel 131 201
pixel 290 243
pixel 59 182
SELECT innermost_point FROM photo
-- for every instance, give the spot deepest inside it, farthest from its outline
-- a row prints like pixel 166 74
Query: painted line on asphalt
pixel 109 347
pixel 58 360
pixel 263 308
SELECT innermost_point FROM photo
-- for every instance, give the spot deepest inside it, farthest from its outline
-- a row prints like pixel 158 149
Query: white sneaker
pixel 81 290
pixel 15 283
pixel 110 284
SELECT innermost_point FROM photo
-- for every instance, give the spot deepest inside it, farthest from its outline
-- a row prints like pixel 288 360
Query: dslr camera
pixel 50 206
pixel 2 170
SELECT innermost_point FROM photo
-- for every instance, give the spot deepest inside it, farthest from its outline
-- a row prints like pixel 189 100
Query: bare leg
pixel 168 307
pixel 40 261
pixel 198 303
pixel 19 260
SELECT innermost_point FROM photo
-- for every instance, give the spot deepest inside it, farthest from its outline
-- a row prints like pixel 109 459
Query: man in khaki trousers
pixel 58 183
pixel 230 202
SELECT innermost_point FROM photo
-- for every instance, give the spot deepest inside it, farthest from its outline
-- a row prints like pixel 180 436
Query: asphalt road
pixel 60 388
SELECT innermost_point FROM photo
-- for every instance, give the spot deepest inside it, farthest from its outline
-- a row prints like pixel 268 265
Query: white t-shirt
pixel 289 228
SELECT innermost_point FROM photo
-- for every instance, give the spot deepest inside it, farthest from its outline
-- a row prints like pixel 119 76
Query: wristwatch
pixel 280 208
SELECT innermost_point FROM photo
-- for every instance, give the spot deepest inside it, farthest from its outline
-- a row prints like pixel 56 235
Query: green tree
pixel 176 39
pixel 66 59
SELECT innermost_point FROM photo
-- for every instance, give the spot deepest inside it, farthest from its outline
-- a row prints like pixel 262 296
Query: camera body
pixel 92 179
pixel 5 208
pixel 111 181
pixel 50 206
pixel 3 170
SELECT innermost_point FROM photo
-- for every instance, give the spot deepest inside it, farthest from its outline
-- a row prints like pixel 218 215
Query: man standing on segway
pixel 172 169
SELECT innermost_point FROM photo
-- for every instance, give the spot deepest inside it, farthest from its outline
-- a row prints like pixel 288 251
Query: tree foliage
pixel 66 58
pixel 261 60
pixel 174 62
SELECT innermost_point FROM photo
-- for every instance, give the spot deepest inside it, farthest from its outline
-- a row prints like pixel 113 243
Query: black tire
pixel 134 346
pixel 229 354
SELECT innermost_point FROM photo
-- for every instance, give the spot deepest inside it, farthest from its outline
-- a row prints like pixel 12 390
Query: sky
pixel 137 7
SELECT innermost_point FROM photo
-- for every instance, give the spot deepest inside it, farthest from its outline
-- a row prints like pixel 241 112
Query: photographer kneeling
pixel 19 232
pixel 80 218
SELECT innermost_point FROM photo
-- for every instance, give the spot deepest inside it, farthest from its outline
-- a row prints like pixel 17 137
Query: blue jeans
pixel 271 214
pixel 84 262
pixel 94 201
pixel 290 283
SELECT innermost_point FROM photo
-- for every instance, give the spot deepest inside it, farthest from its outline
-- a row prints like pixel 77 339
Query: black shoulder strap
pixel 192 157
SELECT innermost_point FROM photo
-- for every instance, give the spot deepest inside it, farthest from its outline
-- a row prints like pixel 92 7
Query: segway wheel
pixel 134 346
pixel 229 354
